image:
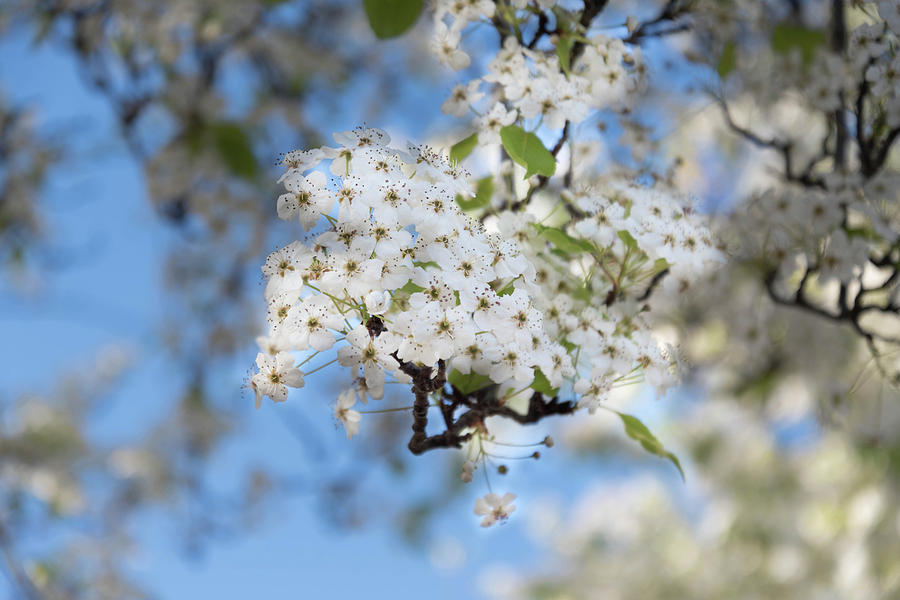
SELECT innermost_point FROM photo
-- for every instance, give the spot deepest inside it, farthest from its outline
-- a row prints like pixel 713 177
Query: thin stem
pixel 487 479
pixel 502 457
pixel 320 367
pixel 511 445
pixel 308 358
pixel 514 394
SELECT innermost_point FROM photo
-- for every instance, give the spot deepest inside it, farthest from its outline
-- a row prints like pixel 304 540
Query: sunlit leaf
pixel 628 240
pixel 390 18
pixel 542 384
pixel 463 148
pixel 527 149
pixel 563 241
pixel 484 190
pixel 639 432
pixel 468 383
pixel 564 52
pixel 411 288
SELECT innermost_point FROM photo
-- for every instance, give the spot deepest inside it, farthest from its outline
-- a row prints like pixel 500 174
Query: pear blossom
pixel 275 373
pixel 343 411
pixel 373 354
pixel 494 508
pixel 445 46
pixel 493 121
pixel 307 198
pixel 461 98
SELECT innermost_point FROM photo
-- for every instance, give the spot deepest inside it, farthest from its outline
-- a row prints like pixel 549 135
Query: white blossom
pixel 494 508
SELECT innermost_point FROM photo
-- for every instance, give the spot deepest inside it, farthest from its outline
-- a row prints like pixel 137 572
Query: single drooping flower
pixel 494 508
pixel 343 411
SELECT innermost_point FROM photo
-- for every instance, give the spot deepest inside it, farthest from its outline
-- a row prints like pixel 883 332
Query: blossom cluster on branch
pixel 822 235
pixel 487 298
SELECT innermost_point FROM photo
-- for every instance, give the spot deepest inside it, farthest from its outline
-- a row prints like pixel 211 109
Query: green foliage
pixel 390 18
pixel 639 433
pixel 542 384
pixel 583 292
pixel 468 383
pixel 660 264
pixel 628 240
pixel 463 148
pixel 484 190
pixel 564 52
pixel 527 149
pixel 786 38
pixel 507 289
pixel 233 145
pixel 727 60
pixel 563 241
pixel 411 288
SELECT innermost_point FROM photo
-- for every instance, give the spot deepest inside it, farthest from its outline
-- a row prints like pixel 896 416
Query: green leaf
pixel 786 38
pixel 866 233
pixel 390 18
pixel 527 149
pixel 542 384
pixel 628 240
pixel 468 383
pixel 410 288
pixel 484 190
pixel 508 289
pixel 234 147
pixel 583 293
pixel 563 241
pixel 564 52
pixel 728 60
pixel 639 432
pixel 463 148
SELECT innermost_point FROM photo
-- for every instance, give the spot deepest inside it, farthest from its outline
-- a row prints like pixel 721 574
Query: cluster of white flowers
pixel 817 222
pixel 530 84
pixel 802 227
pixel 499 303
pixel 400 274
pixel 592 293
pixel 804 60
pixel 400 248
pixel 871 56
pixel 407 282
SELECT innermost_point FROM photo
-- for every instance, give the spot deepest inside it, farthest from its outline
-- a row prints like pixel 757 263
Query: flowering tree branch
pixel 457 287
